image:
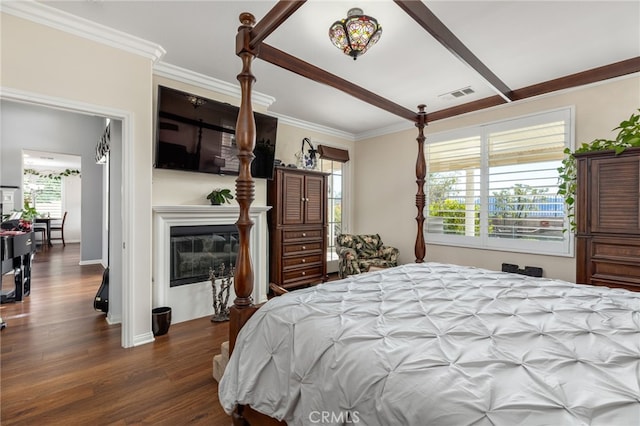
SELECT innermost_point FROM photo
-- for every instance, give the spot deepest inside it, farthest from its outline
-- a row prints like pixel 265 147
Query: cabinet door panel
pixel 615 200
pixel 292 209
pixel 315 195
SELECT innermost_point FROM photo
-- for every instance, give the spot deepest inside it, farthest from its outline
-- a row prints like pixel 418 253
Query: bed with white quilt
pixel 436 344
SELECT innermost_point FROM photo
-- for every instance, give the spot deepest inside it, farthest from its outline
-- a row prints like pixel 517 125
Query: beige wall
pixel 385 187
pixel 68 69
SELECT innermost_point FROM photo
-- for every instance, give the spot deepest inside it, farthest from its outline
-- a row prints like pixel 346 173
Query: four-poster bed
pixel 424 282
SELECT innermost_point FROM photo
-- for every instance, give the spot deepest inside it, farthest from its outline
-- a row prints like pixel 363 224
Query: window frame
pixel 483 241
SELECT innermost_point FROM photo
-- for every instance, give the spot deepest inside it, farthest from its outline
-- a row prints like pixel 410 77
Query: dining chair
pixel 41 228
pixel 58 227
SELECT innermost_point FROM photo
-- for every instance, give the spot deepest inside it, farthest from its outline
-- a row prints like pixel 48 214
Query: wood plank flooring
pixel 62 364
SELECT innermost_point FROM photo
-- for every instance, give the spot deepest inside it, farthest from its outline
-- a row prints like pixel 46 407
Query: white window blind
pixel 44 193
pixel 454 186
pixel 496 185
pixel 523 182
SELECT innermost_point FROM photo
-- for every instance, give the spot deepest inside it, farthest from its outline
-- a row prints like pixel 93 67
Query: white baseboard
pixel 143 339
pixel 90 262
pixel 114 319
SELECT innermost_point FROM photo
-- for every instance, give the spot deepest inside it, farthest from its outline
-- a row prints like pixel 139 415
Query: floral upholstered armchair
pixel 357 253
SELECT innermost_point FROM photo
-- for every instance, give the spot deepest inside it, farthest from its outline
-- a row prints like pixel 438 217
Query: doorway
pixel 51 187
pixel 46 125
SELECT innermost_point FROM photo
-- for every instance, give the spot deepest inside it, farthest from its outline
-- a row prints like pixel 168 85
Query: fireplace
pixel 191 297
pixel 197 250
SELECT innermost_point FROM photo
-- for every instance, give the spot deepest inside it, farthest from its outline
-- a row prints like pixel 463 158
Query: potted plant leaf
pixel 628 136
pixel 220 196
pixel 28 213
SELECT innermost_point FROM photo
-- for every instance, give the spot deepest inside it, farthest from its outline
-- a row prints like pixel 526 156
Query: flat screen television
pixel 198 134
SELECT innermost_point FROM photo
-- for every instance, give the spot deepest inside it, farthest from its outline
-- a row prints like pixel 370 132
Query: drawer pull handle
pixel 304 260
pixel 304 273
pixel 304 234
pixel 304 247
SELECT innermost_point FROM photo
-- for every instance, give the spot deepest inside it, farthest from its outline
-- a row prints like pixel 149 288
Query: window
pixel 332 161
pixel 494 186
pixel 334 206
pixel 43 190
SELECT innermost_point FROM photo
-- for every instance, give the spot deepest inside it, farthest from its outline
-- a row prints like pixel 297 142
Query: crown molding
pixel 63 21
pixel 313 127
pixel 163 69
pixel 393 128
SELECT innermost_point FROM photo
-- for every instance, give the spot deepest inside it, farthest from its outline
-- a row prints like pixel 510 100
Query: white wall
pixel 385 172
pixel 73 205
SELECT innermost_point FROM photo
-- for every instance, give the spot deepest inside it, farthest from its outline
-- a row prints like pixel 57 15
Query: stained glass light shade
pixel 355 34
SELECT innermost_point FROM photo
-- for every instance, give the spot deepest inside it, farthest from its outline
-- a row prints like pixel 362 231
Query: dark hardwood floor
pixel 62 364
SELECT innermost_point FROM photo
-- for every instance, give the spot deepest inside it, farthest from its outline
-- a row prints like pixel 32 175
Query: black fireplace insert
pixel 196 250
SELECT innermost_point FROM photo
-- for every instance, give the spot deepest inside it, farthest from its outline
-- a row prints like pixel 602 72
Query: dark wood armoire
pixel 297 227
pixel 608 219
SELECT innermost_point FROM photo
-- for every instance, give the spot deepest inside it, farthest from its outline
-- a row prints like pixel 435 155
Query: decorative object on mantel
pixel 221 281
pixel 194 100
pixel 629 136
pixel 355 34
pixel 220 196
pixel 308 160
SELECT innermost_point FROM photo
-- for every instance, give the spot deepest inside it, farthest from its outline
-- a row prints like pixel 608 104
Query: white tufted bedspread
pixel 436 344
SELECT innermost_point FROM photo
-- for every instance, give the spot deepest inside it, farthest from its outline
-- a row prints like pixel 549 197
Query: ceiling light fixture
pixel 355 34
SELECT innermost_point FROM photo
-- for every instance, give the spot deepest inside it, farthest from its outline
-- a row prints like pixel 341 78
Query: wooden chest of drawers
pixel 298 227
pixel 608 219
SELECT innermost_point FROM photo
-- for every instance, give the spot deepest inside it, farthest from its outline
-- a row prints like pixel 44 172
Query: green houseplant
pixel 220 196
pixel 28 212
pixel 628 136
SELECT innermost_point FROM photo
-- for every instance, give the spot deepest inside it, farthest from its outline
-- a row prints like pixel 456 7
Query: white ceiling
pixel 49 161
pixel 522 42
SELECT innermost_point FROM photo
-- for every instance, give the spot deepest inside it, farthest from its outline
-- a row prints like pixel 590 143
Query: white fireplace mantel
pixel 195 300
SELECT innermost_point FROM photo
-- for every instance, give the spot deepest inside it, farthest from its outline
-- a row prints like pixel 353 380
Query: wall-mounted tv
pixel 198 134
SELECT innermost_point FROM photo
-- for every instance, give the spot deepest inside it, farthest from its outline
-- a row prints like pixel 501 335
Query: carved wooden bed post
pixel 243 307
pixel 421 171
